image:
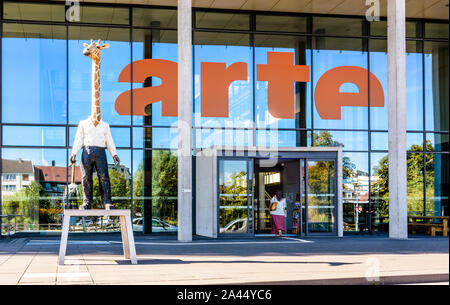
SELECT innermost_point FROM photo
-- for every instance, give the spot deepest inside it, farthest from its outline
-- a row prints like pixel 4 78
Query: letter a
pixel 167 92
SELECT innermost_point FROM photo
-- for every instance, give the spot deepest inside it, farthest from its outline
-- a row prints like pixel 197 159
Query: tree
pixel 165 185
pixel 415 180
pixel 325 139
pixel 27 202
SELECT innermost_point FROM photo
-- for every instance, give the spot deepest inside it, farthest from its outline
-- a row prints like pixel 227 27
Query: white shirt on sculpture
pixel 90 135
pixel 281 205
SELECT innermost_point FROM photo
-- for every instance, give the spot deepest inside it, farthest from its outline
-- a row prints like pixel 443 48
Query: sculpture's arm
pixel 79 140
pixel 110 142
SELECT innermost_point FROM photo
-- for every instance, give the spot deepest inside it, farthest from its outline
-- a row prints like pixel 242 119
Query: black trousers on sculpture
pixel 95 157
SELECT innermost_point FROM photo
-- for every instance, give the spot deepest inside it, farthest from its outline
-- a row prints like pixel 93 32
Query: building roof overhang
pixel 428 9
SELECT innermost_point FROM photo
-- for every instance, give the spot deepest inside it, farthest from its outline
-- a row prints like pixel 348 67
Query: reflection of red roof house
pixel 56 174
pixel 364 197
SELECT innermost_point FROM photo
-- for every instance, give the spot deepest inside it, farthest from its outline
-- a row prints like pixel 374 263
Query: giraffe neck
pixel 95 100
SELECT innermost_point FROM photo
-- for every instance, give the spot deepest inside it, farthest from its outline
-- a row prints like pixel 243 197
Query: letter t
pixel 281 73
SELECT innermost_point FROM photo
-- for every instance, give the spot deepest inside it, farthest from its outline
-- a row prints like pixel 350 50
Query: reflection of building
pixel 54 178
pixel 16 174
pixel 121 169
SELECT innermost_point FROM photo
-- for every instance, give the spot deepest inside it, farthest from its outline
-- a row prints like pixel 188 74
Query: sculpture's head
pixel 94 49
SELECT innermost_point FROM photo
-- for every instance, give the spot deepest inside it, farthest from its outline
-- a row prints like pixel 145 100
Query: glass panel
pixel 103 14
pixel 437 184
pixel 356 192
pixel 379 191
pixel 302 56
pixel 34 136
pixel 158 44
pixel 120 135
pixel 223 21
pixel 321 196
pixel 155 137
pixel 349 140
pixel 234 197
pixel 337 26
pixel 155 191
pixel 32 11
pixel 414 86
pixel 34 60
pixel 378 66
pixel 379 141
pixel 207 137
pixel 436 86
pixel 283 138
pixel 335 52
pixel 113 60
pixel 226 48
pixel 415 187
pixel 150 17
pixel 413 28
pixel 281 23
pixel 414 141
pixel 435 141
pixel 33 184
pixel 436 30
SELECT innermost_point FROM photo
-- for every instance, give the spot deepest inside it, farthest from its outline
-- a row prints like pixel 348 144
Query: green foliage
pixel 164 186
pixel 415 181
pixel 120 191
pixel 236 189
pixel 26 202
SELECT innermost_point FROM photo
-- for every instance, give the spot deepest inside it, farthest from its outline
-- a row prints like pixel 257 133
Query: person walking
pixel 278 213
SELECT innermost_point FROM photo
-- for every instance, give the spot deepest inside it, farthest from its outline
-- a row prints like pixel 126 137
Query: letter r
pixel 216 79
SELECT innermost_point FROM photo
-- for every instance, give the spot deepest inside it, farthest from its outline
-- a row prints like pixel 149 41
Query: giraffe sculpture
pixel 94 52
pixel 94 136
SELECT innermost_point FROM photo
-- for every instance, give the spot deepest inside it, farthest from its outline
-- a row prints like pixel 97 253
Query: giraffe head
pixel 94 49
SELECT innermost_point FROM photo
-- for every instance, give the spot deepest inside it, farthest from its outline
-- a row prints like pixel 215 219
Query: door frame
pixel 250 195
pixel 335 200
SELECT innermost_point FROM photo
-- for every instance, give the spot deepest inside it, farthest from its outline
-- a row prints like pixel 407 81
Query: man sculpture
pixel 94 136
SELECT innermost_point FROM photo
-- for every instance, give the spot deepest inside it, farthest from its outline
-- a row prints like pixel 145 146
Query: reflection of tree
pixel 138 177
pixel 233 192
pixel 165 185
pixel 415 181
pixel 325 139
pixel 120 191
pixel 26 202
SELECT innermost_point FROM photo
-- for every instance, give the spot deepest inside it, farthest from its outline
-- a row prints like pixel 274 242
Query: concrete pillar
pixel 184 120
pixel 398 209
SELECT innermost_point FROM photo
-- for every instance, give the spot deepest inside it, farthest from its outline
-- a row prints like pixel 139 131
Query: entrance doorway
pixel 234 187
pixel 309 188
pixel 246 186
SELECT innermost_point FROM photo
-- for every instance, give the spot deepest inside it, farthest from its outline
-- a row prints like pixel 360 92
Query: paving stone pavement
pixel 98 259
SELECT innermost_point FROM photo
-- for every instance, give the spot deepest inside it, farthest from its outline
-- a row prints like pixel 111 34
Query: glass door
pixel 235 196
pixel 321 196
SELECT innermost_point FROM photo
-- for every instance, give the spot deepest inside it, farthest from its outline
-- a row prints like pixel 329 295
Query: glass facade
pixel 46 91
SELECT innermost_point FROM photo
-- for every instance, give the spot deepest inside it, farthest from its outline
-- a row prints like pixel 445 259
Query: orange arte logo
pixel 280 73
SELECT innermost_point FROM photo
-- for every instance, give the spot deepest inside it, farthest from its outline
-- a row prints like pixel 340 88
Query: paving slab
pixel 98 259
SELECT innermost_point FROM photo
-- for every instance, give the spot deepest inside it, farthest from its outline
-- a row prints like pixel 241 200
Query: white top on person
pixel 90 135
pixel 281 205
